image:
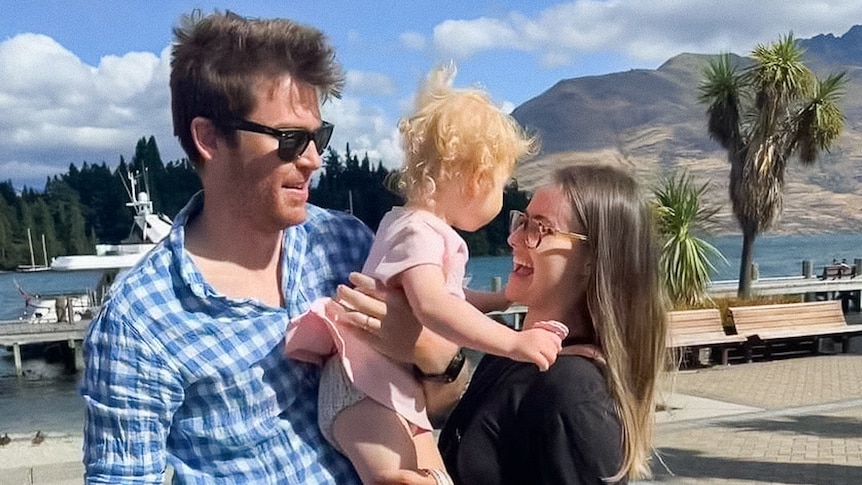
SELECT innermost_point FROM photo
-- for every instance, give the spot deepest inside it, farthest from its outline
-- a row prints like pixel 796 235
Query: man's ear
pixel 205 137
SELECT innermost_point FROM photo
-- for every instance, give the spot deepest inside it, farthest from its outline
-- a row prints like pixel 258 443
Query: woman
pixel 583 255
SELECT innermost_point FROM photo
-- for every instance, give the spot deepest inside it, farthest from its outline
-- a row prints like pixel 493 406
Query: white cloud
pixel 56 109
pixel 461 39
pixel 120 78
pixel 507 107
pixel 34 174
pixel 60 111
pixel 367 129
pixel 555 59
pixel 369 83
pixel 413 41
pixel 647 31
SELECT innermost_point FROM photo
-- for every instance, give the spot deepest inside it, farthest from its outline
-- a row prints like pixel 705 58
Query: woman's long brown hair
pixel 624 298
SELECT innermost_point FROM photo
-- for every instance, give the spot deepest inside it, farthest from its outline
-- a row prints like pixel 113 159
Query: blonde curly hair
pixel 456 134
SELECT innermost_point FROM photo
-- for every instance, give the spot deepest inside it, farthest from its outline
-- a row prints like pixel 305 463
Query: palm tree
pixel 685 258
pixel 763 115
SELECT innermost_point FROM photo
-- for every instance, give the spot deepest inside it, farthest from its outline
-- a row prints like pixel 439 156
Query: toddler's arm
pixel 460 322
pixel 487 301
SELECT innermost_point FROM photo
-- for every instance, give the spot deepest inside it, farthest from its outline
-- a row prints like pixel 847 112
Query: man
pixel 184 363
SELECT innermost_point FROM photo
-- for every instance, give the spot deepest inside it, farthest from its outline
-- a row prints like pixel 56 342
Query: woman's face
pixel 552 276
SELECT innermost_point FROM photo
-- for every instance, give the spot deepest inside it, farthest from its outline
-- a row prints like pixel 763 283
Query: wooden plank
pixel 694 329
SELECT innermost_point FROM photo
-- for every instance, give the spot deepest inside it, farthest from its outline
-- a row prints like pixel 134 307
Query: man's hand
pixel 387 319
pixel 406 477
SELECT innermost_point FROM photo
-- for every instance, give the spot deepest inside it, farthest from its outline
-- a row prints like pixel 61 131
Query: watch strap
pixel 453 370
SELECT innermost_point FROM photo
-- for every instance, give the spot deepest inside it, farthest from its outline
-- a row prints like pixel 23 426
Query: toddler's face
pixel 489 199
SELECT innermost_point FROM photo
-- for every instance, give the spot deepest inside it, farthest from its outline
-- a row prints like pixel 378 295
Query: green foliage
pixel 685 259
pixel 355 186
pixel 86 205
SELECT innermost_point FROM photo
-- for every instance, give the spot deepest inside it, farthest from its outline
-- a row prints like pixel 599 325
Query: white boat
pixel 149 228
pixel 58 307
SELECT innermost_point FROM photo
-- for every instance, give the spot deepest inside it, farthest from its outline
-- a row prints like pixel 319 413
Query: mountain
pixel 651 122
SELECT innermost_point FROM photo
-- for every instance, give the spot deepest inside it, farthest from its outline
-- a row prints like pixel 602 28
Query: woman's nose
pixel 516 237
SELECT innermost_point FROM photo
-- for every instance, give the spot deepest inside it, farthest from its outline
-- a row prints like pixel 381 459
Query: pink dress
pixel 405 238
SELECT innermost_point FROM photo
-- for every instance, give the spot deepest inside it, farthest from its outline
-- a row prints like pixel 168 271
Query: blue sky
pixel 82 81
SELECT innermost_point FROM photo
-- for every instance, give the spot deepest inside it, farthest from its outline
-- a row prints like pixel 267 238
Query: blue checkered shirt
pixel 179 374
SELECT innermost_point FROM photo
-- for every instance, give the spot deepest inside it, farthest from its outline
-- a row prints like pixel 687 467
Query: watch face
pixel 455 366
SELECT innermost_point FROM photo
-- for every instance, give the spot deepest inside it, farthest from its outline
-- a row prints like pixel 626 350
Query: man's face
pixel 266 190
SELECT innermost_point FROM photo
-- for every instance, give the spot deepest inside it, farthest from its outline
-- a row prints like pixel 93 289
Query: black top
pixel 516 425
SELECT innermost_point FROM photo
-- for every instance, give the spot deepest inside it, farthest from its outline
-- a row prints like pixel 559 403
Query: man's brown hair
pixel 216 58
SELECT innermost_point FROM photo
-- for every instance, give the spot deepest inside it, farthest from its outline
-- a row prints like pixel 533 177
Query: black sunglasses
pixel 292 142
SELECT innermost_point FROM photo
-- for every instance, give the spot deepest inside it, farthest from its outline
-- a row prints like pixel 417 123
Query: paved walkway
pixel 793 421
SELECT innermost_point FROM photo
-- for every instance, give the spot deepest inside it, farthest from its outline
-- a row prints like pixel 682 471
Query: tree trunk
pixel 749 234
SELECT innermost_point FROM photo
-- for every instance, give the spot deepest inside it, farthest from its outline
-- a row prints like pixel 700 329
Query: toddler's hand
pixel 540 344
pixel 554 327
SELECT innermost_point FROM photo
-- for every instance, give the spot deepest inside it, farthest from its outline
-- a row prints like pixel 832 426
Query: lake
pixel 774 256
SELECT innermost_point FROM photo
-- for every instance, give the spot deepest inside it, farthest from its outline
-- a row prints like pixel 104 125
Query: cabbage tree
pixel 763 115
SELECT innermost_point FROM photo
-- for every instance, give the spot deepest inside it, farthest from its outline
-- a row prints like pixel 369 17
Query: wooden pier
pixel 16 335
pixel 812 288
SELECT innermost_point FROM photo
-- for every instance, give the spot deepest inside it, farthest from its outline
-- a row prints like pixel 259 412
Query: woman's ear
pixel 472 188
pixel 205 136
pixel 587 268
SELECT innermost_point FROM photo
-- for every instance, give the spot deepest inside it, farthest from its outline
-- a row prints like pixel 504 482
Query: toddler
pixel 460 151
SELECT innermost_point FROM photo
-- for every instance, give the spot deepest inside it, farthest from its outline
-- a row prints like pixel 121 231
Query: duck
pixel 5 440
pixel 39 438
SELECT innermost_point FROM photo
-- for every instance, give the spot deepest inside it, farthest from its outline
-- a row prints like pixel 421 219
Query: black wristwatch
pixel 453 370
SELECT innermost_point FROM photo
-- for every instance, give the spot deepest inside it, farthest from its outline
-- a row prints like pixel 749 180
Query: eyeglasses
pixel 291 143
pixel 534 230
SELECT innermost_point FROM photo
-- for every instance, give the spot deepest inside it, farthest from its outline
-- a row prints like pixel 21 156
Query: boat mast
pixel 44 251
pixel 32 256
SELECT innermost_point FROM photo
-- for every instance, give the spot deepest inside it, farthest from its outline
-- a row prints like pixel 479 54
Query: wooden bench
pixel 763 324
pixel 696 329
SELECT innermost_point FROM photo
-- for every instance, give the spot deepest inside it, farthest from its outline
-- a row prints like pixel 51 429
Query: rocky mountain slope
pixel 651 122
